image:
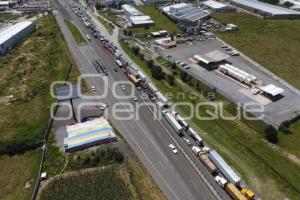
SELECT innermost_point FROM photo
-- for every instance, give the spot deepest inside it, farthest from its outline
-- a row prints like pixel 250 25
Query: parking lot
pixel 283 109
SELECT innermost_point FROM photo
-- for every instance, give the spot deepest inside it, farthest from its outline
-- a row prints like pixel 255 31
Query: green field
pixel 241 143
pixel 75 32
pixel 161 22
pixel 8 16
pixel 118 181
pixel 275 44
pixel 26 73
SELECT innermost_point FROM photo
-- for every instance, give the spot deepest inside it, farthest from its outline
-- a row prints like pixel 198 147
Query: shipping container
pixel 234 192
pixel 172 121
pixel 226 170
pixel 207 162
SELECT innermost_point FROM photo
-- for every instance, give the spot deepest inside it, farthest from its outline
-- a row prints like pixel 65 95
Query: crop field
pixel 241 143
pixel 161 22
pixel 118 181
pixel 275 44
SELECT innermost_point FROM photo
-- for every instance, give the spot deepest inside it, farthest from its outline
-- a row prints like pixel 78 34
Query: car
pixel 234 54
pixel 123 87
pixel 174 150
pixel 115 70
pixel 228 49
pixel 187 141
pixel 224 46
pixel 139 88
pixel 135 98
pixel 187 67
pixel 93 88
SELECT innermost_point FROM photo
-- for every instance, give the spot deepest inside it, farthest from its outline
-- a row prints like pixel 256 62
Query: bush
pixel 271 134
pixel 135 50
pixel 157 72
pixel 150 63
pixel 171 79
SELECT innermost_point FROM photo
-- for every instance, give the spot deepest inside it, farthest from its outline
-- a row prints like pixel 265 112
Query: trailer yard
pixel 276 109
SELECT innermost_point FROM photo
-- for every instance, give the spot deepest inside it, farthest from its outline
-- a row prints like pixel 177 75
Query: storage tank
pixel 172 121
pixel 234 192
pixel 182 122
pixel 195 136
pixel 226 170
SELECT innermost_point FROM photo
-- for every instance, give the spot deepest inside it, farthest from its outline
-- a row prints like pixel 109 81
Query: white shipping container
pixel 172 121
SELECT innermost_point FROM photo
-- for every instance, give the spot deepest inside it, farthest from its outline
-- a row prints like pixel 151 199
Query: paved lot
pixel 275 112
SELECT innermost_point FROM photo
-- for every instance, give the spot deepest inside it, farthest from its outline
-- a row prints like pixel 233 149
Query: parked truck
pixel 248 193
pixel 234 192
pixel 195 136
pixel 182 122
pixel 172 121
pixel 205 160
pixel 226 170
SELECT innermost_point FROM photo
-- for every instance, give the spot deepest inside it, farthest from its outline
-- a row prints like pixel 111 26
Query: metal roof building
pixel 140 21
pixel 185 13
pixel 266 10
pixel 215 6
pixel 13 34
pixel 130 10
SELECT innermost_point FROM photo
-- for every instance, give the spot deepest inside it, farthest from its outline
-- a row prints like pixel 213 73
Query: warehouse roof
pixel 185 11
pixel 211 57
pixel 131 10
pixel 141 20
pixel 214 4
pixel 271 89
pixel 265 7
pixel 13 30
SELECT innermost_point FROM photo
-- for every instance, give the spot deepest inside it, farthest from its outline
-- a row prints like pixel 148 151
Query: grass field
pixel 15 172
pixel 275 44
pixel 241 143
pixel 161 22
pixel 8 16
pixel 30 67
pixel 26 75
pixel 75 32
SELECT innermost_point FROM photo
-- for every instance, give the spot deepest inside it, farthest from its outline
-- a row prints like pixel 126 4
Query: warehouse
pixel 215 6
pixel 130 10
pixel 211 59
pixel 10 37
pixel 137 21
pixel 266 10
pixel 187 14
pixel 88 134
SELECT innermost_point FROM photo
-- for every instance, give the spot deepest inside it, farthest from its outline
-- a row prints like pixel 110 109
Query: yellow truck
pixel 234 193
pixel 248 193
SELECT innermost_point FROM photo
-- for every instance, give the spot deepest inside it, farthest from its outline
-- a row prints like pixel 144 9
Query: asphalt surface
pixel 176 175
pixel 275 112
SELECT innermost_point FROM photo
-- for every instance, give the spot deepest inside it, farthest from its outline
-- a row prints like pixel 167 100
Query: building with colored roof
pixel 88 134
pixel 10 36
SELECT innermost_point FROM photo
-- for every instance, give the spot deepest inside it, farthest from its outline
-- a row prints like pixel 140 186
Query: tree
pixel 135 50
pixel 129 33
pixel 157 72
pixel 288 4
pixel 184 76
pixel 284 127
pixel 274 2
pixel 173 65
pixel 150 63
pixel 271 134
pixel 171 79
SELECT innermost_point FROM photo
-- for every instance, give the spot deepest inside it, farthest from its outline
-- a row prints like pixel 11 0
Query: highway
pixel 178 176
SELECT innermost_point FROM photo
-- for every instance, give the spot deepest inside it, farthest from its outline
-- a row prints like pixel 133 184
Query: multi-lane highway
pixel 180 176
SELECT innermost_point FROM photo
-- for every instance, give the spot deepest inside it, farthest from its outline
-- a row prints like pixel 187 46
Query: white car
pixel 93 88
pixel 174 150
pixel 187 141
pixel 123 87
pixel 102 107
pixel 135 98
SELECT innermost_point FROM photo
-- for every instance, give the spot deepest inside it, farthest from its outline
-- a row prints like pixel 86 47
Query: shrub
pixel 271 134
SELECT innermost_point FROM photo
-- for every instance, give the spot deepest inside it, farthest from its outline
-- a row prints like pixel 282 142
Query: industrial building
pixel 185 13
pixel 136 18
pixel 165 43
pixel 130 10
pixel 216 6
pixel 211 59
pixel 266 10
pixel 10 37
pixel 88 134
pixel 136 21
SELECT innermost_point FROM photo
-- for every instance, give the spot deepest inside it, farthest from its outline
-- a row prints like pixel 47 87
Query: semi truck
pixel 195 136
pixel 205 160
pixel 172 121
pixel 234 192
pixel 226 170
pixel 182 122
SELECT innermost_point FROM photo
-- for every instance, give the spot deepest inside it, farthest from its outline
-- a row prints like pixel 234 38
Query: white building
pixel 215 6
pixel 14 34
pixel 144 20
pixel 130 10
